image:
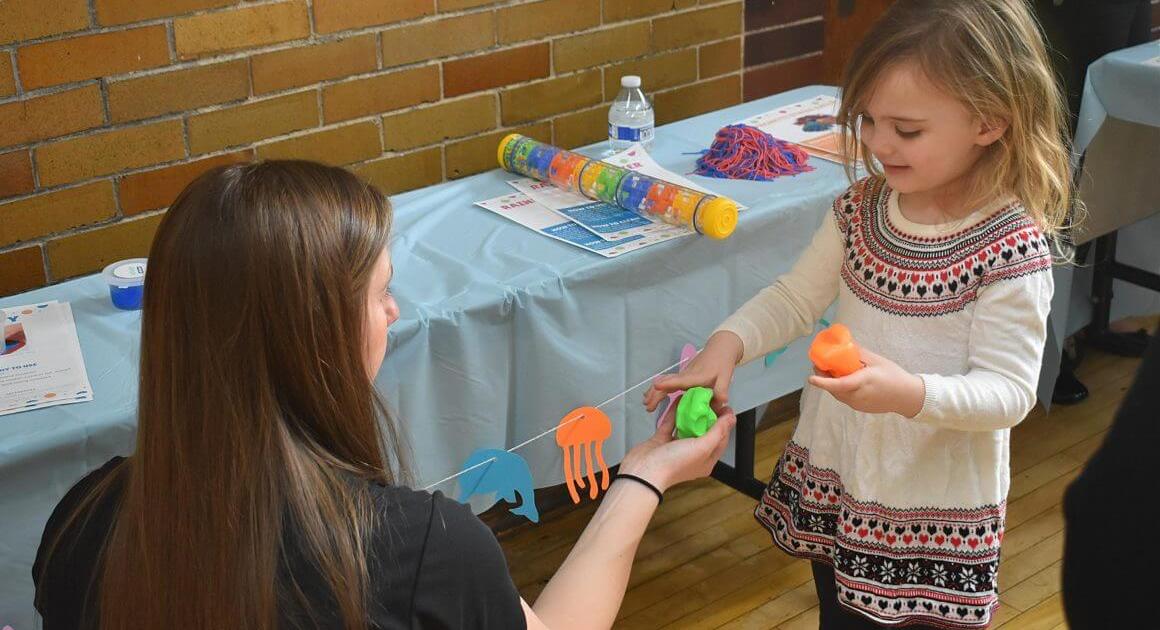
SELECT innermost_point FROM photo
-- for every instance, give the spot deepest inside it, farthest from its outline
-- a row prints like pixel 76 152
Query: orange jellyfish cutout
pixel 581 434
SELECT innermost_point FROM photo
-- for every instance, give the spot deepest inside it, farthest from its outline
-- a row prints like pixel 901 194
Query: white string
pixel 553 429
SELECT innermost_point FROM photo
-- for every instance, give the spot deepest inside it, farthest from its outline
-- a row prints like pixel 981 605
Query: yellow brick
pixel 180 90
pixel 657 72
pixel 247 123
pixel 427 125
pixel 50 116
pixel 126 11
pixel 696 99
pixel 397 174
pixel 246 27
pixel 550 17
pixel 617 10
pixel 695 27
pixel 296 67
pixel 720 58
pixel 382 93
pixel 446 6
pixel 21 270
pixel 477 154
pixel 7 80
pixel 580 128
pixel 158 188
pixel 56 211
pixel 91 251
pixel 91 56
pixel 544 98
pixel 16 173
pixel 593 49
pixel 439 38
pixel 340 15
pixel 109 152
pixel 23 20
pixel 338 146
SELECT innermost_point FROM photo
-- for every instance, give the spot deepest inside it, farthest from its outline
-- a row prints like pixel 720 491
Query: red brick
pixel 656 72
pixel 720 58
pixel 617 10
pixel 763 14
pixel 92 56
pixel 15 173
pixel 21 270
pixel 437 38
pixel 551 96
pixel 400 173
pixel 158 188
pixel 783 43
pixel 448 119
pixel 780 77
pixel 580 128
pixel 496 69
pixel 692 100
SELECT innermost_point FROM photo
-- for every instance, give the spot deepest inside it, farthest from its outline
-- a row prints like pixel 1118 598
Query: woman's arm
pixel 587 589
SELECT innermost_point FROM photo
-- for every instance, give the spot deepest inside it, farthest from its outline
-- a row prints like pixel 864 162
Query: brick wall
pixel 109 107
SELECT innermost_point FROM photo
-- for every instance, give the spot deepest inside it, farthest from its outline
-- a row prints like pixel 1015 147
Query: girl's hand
pixel 880 387
pixel 712 367
pixel 666 461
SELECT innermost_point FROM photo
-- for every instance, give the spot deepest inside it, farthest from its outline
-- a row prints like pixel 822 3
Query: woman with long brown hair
pixel 266 486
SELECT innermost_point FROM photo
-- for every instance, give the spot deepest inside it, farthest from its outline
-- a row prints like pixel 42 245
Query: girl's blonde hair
pixel 990 55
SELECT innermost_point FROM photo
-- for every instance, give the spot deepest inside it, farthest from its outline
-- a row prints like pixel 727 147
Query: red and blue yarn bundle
pixel 745 152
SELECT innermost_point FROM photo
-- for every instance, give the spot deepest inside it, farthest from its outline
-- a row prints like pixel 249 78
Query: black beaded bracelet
pixel 645 483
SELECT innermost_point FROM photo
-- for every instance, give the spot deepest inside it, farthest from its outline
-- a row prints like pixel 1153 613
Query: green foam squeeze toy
pixel 694 415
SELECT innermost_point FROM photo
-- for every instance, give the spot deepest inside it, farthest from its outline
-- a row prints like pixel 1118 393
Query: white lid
pixel 630 81
pixel 126 273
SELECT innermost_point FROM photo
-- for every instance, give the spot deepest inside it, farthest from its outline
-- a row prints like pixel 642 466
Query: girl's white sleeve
pixel 1008 332
pixel 791 306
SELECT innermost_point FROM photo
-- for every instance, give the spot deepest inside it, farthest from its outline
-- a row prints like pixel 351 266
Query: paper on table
pixel 811 124
pixel 607 221
pixel 524 210
pixel 41 363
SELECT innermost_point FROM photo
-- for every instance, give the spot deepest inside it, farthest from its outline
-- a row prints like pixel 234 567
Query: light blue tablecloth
pixel 503 331
pixel 1124 84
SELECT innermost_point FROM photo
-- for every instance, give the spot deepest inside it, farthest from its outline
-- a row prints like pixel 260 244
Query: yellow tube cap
pixel 503 144
pixel 718 217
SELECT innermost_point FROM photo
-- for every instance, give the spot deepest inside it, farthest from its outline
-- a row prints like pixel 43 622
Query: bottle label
pixel 630 134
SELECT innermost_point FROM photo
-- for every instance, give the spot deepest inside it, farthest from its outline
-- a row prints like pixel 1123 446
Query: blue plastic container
pixel 126 280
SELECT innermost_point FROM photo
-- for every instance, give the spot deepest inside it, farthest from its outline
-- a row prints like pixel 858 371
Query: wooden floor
pixel 705 563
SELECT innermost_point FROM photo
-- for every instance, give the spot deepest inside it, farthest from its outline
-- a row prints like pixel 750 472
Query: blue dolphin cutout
pixel 506 475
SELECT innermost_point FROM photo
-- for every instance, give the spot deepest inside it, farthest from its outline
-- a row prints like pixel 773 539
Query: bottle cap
pixel 717 217
pixel 630 81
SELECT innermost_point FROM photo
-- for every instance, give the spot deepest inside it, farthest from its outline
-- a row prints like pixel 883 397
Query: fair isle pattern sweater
pixel 909 511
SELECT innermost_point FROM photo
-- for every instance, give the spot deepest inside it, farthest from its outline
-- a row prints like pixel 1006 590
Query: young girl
pixel 894 483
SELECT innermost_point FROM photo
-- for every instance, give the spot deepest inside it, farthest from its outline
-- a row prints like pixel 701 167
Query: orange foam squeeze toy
pixel 581 434
pixel 833 350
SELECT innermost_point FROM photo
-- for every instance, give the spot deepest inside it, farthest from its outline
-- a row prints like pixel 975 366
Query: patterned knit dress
pixel 909 511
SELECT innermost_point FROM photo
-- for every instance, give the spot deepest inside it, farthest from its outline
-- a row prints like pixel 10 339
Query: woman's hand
pixel 666 461
pixel 712 367
pixel 879 387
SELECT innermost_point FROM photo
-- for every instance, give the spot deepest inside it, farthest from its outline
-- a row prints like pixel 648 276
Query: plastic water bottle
pixel 630 119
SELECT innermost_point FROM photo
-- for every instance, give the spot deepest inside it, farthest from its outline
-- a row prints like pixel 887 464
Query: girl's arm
pixel 1008 332
pixel 791 306
pixel 587 589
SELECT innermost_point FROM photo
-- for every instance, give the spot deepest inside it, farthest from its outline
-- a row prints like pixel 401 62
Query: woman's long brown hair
pixel 255 411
